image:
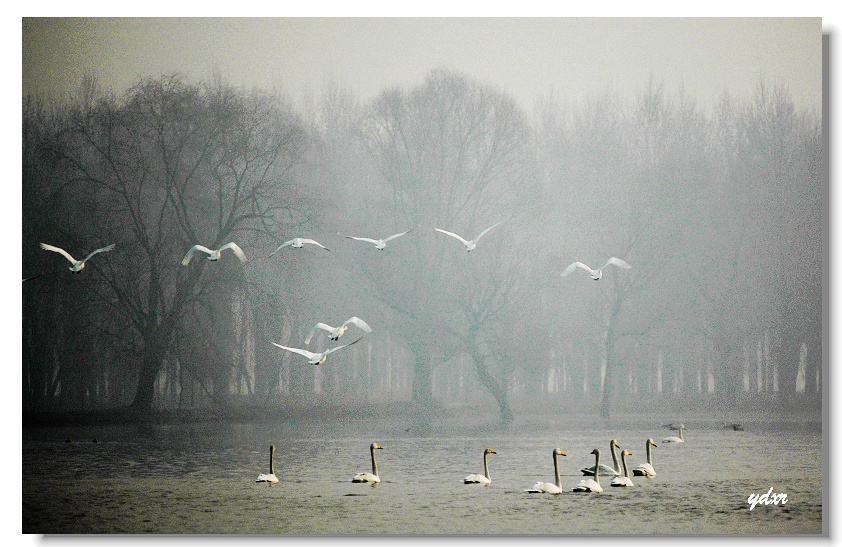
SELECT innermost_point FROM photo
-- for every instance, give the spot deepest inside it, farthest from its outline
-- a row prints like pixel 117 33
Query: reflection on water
pixel 200 480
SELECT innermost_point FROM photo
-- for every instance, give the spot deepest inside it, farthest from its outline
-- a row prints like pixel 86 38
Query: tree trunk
pixel 483 358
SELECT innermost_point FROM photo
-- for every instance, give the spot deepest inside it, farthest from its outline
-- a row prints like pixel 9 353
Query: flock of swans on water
pixel 591 483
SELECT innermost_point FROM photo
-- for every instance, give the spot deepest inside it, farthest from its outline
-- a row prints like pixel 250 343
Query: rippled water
pixel 200 480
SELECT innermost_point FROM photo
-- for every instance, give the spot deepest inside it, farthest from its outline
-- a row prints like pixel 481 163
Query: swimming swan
pixel 646 469
pixel 469 245
pixel 379 243
pixel 590 485
pixel 679 439
pixel 316 358
pixel 213 255
pixel 337 332
pixel 549 487
pixel 596 275
pixel 481 479
pixel 297 243
pixel 625 480
pixel 588 471
pixel 270 478
pixel 77 265
pixel 374 476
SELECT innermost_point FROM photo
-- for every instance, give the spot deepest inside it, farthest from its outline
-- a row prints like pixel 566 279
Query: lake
pixel 200 479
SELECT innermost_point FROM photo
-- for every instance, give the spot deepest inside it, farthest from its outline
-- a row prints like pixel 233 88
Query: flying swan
pixel 596 275
pixel 588 471
pixel 374 476
pixel 481 479
pixel 316 358
pixel 549 487
pixel 679 439
pixel 624 480
pixel 337 332
pixel 590 485
pixel 379 243
pixel 213 255
pixel 646 469
pixel 270 478
pixel 78 265
pixel 297 243
pixel 469 245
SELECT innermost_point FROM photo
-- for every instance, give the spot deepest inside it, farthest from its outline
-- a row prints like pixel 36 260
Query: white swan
pixel 589 471
pixel 679 439
pixel 596 275
pixel 590 485
pixel 374 476
pixel 625 480
pixel 469 245
pixel 214 255
pixel 270 477
pixel 297 243
pixel 337 332
pixel 476 478
pixel 379 243
pixel 646 469
pixel 77 265
pixel 549 487
pixel 316 358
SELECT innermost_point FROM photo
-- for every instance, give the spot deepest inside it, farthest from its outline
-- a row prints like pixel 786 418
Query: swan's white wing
pixel 368 239
pixel 58 250
pixel 390 238
pixel 267 477
pixel 102 250
pixel 587 485
pixel 544 488
pixel 365 477
pixel 451 234
pixel 318 326
pixel 575 265
pixel 621 481
pixel 314 242
pixel 358 322
pixel 281 246
pixel 237 251
pixel 644 470
pixel 485 231
pixel 192 250
pixel 304 352
pixel 476 479
pixel 331 350
pixel 617 262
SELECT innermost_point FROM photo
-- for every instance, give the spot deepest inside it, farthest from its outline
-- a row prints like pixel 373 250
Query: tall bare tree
pixel 178 164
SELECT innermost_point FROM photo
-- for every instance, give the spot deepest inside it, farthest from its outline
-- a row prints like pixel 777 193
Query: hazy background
pixel 572 58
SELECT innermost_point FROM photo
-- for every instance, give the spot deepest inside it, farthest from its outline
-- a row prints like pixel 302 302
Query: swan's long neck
pixel 374 464
pixel 596 469
pixel 555 466
pixel 648 452
pixel 272 459
pixel 614 457
pixel 485 464
pixel 625 465
pixel 681 433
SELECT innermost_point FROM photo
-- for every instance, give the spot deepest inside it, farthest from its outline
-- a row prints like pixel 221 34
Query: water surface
pixel 199 479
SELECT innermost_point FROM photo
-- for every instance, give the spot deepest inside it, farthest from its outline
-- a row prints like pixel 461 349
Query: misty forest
pixel 719 213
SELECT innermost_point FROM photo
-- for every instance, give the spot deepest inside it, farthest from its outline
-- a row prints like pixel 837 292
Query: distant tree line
pixel 719 213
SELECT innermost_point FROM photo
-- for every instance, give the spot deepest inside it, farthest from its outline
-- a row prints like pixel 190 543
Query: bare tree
pixel 453 154
pixel 176 165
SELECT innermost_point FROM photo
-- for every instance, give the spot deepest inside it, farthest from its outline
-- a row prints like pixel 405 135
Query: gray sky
pixel 573 58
